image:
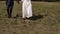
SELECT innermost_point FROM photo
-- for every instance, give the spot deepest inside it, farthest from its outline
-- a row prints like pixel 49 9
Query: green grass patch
pixel 46 20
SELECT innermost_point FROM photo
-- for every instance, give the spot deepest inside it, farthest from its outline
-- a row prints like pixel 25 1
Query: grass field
pixel 45 21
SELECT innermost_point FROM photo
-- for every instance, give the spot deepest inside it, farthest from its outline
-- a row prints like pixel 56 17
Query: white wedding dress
pixel 26 8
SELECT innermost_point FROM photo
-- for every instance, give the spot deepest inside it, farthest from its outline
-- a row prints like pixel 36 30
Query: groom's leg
pixel 10 12
pixel 8 9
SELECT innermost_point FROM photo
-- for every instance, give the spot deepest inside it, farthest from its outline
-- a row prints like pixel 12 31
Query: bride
pixel 26 9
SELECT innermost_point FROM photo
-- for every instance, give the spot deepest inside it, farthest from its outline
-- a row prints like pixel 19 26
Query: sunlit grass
pixel 46 20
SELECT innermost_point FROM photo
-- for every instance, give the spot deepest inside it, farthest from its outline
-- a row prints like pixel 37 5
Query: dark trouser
pixel 9 9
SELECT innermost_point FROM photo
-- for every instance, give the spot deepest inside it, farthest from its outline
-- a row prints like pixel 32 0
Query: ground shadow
pixel 35 17
pixel 16 16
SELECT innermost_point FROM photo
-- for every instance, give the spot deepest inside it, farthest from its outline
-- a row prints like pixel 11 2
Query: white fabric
pixel 26 8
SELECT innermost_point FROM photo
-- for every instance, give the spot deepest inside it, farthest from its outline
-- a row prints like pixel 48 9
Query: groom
pixel 10 4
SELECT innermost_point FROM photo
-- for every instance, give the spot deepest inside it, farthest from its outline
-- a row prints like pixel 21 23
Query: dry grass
pixel 45 21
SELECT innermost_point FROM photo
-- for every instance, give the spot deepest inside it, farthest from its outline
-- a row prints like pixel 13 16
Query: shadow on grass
pixel 16 16
pixel 35 17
